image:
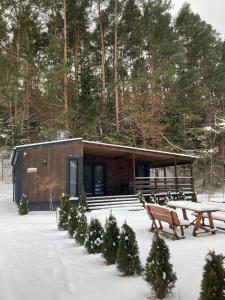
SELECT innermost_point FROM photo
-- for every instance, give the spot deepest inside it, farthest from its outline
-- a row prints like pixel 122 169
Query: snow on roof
pixel 46 143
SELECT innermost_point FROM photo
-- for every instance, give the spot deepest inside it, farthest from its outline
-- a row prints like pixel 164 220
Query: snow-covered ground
pixel 39 262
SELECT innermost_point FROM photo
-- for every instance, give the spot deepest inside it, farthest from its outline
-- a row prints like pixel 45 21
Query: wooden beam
pixel 175 169
pixel 134 172
pixel 192 179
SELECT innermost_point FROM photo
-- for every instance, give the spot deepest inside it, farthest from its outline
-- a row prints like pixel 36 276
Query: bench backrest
pixel 161 213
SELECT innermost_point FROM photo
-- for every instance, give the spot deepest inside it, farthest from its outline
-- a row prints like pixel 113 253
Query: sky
pixel 211 11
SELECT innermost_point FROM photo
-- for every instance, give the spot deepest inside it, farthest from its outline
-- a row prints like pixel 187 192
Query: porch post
pixel 164 171
pixel 175 169
pixel 192 180
pixel 134 173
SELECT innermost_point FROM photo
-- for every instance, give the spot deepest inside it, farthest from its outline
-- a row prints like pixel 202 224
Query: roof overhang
pixel 155 157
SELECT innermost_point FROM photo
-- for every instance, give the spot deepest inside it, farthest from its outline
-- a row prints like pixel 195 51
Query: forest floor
pixel 39 262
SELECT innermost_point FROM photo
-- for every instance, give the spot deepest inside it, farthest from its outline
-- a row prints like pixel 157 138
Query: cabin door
pixel 94 179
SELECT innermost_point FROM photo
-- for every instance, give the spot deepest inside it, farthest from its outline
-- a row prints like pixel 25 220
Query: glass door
pixel 94 179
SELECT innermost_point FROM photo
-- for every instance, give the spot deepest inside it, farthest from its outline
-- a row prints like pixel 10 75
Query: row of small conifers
pixel 120 247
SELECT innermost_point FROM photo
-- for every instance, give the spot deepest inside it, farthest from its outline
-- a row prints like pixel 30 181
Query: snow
pixel 204 206
pixel 39 262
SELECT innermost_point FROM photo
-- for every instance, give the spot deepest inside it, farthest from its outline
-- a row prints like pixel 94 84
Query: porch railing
pixel 163 184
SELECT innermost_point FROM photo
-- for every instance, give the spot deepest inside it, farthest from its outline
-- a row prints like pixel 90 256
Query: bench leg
pixel 182 231
pixel 174 228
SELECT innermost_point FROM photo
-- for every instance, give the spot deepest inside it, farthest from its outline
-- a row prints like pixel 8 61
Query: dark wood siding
pixel 51 164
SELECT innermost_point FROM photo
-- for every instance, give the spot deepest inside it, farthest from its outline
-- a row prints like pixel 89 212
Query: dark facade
pixel 46 170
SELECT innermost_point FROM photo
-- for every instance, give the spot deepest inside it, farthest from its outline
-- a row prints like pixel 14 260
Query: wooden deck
pixel 149 185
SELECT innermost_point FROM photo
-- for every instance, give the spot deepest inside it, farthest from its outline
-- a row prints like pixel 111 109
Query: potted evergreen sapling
pixel 127 259
pixel 23 206
pixel 158 270
pixel 110 240
pixel 95 232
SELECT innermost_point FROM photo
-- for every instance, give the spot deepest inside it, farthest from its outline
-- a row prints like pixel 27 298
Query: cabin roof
pixel 157 157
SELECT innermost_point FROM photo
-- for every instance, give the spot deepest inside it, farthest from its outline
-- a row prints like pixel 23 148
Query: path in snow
pixel 40 263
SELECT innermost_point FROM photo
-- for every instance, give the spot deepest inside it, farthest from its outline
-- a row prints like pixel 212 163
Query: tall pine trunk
pixel 116 65
pixel 102 51
pixel 65 95
pixel 76 52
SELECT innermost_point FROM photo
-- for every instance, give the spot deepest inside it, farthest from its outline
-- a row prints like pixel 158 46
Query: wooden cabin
pixel 46 170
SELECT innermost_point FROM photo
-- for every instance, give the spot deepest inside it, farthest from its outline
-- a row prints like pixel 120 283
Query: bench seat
pixel 165 214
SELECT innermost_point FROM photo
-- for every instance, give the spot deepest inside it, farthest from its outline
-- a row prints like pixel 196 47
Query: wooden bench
pixel 167 215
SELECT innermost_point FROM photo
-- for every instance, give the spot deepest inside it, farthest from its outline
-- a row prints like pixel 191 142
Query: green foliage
pixel 23 206
pixel 213 281
pixel 83 202
pixel 158 271
pixel 194 197
pixel 81 231
pixel 63 212
pixel 127 259
pixel 141 197
pixel 95 232
pixel 110 240
pixel 72 220
pixel 180 195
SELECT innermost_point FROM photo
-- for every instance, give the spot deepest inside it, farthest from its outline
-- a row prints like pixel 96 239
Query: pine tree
pixel 158 271
pixel 72 221
pixel 194 197
pixel 213 281
pixel 83 202
pixel 110 240
pixel 81 231
pixel 23 206
pixel 95 233
pixel 63 212
pixel 127 259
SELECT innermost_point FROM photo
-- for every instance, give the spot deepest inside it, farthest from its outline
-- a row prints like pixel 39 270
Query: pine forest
pixel 117 71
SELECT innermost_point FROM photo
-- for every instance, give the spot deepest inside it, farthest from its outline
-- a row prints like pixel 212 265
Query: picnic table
pixel 199 209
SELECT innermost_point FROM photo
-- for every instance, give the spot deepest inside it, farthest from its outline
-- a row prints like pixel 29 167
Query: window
pixel 73 183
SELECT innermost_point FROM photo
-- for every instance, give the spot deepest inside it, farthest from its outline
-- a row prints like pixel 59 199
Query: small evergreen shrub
pixel 63 212
pixel 213 281
pixel 141 197
pixel 23 206
pixel 81 231
pixel 194 197
pixel 95 232
pixel 127 259
pixel 158 271
pixel 169 196
pixel 72 221
pixel 110 240
pixel 83 202
pixel 152 199
pixel 180 195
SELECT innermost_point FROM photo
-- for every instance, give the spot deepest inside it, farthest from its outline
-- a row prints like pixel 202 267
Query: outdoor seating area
pixel 202 217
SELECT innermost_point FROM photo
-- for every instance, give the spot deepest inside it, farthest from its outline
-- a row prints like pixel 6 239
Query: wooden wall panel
pixel 53 172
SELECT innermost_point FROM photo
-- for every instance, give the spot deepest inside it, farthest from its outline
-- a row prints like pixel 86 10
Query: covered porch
pixel 110 170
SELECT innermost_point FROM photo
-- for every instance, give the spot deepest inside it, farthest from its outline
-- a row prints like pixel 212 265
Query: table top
pixel 198 207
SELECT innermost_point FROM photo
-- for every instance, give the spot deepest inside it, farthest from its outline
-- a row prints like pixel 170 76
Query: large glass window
pixel 94 179
pixel 73 188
